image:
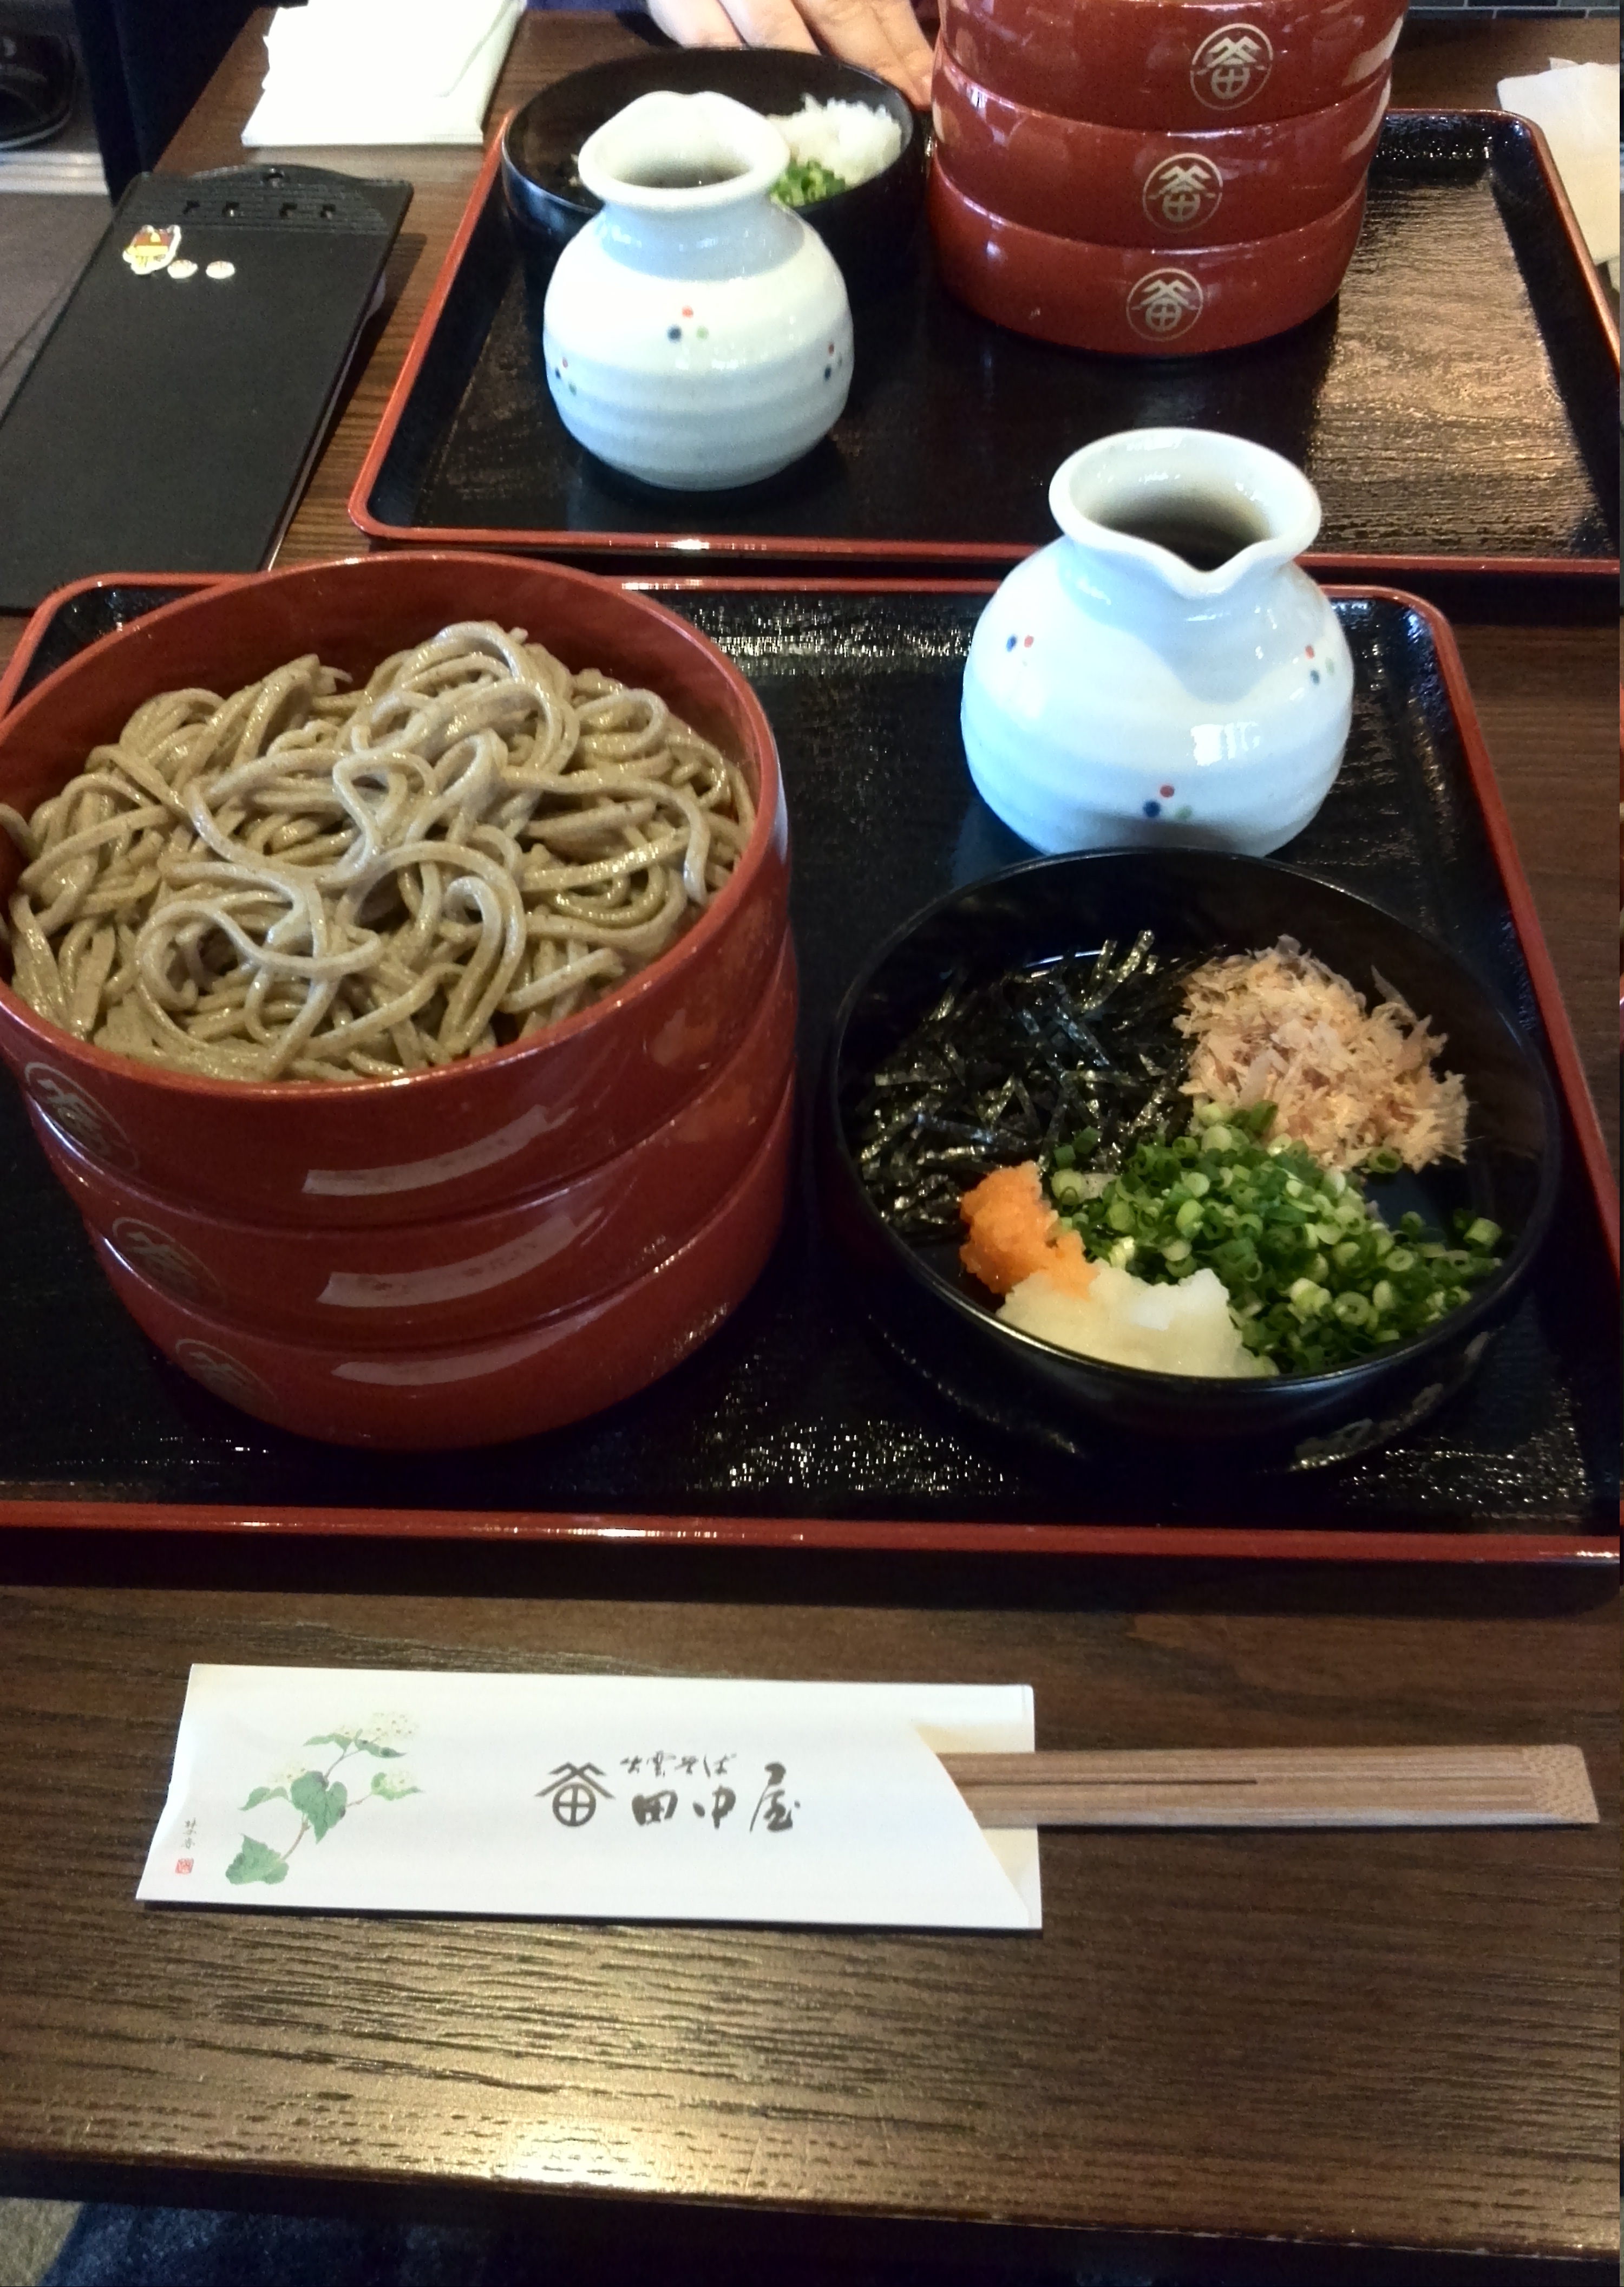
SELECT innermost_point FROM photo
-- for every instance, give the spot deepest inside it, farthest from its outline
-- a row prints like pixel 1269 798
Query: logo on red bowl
pixel 226 1376
pixel 165 1261
pixel 1164 304
pixel 67 1106
pixel 1183 192
pixel 1231 66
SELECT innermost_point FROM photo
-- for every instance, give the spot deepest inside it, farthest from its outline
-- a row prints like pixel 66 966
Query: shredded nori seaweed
pixel 1003 1072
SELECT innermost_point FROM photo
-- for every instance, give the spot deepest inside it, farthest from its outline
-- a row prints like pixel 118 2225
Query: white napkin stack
pixel 1577 105
pixel 382 71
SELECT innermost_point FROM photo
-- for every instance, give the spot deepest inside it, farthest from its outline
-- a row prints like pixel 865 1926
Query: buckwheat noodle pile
pixel 313 883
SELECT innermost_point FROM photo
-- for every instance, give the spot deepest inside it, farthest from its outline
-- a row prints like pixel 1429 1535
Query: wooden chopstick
pixel 1280 1786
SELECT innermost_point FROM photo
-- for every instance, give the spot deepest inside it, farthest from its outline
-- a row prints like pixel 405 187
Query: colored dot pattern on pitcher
pixel 1025 642
pixel 1154 809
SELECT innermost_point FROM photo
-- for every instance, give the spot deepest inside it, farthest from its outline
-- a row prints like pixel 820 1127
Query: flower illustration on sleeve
pixel 321 1797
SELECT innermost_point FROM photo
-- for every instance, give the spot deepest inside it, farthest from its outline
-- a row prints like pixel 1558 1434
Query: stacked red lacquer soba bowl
pixel 469 1252
pixel 1155 176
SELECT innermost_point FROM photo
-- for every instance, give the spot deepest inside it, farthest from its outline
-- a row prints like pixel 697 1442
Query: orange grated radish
pixel 1014 1233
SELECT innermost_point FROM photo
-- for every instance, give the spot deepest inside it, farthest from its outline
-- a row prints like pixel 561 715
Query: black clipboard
pixel 175 409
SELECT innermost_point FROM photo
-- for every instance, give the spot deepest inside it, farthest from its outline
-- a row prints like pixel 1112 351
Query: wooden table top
pixel 1399 2041
pixel 1340 2054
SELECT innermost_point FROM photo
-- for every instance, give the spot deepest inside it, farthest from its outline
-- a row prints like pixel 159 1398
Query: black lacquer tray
pixel 1457 406
pixel 792 1424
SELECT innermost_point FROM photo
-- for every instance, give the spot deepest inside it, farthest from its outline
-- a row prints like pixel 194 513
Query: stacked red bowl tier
pixel 482 1392
pixel 1134 300
pixel 1155 177
pixel 472 1252
pixel 400 1287
pixel 1158 187
pixel 1173 66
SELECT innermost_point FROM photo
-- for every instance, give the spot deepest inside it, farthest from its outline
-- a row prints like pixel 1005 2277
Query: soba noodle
pixel 309 882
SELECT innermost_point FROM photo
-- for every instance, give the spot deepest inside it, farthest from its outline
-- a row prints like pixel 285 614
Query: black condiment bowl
pixel 872 230
pixel 942 1321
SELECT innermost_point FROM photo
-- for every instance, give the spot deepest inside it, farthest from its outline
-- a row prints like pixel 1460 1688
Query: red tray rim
pixel 741 548
pixel 1241 1543
pixel 506 1528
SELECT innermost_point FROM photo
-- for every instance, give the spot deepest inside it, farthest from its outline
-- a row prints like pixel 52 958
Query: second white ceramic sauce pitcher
pixel 696 335
pixel 1164 672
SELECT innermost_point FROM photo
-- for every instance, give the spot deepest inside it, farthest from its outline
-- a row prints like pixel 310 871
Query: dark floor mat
pixel 204 2247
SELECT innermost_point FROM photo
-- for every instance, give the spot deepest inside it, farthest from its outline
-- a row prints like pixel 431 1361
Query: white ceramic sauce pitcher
pixel 696 335
pixel 1164 672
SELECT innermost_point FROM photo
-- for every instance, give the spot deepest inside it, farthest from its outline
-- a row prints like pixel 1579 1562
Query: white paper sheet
pixel 570 1797
pixel 1577 105
pixel 362 72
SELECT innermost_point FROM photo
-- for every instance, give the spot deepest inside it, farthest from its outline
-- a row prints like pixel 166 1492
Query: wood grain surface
pixel 1462 1785
pixel 1404 2038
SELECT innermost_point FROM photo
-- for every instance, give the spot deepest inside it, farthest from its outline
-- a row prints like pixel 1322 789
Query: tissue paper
pixel 1577 106
pixel 382 71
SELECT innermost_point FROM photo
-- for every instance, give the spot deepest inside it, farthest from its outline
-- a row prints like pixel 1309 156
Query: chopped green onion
pixel 805 181
pixel 1315 1278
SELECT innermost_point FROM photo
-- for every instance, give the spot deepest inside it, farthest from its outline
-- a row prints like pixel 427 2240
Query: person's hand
pixel 881 35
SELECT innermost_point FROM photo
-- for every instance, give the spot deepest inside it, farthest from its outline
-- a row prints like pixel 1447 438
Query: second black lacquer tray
pixel 1456 406
pixel 792 1424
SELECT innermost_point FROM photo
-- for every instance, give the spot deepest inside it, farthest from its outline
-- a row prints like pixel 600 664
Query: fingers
pixel 771 24
pixel 695 23
pixel 881 35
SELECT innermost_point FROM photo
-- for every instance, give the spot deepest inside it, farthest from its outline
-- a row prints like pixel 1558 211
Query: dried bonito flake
pixel 1352 1086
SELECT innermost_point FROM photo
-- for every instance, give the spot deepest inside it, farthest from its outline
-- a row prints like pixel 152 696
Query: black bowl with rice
pixel 872 228
pixel 942 1321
